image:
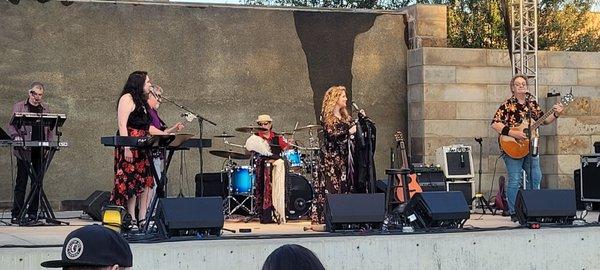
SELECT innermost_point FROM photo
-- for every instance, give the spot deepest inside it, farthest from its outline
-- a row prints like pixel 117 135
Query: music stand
pixel 53 122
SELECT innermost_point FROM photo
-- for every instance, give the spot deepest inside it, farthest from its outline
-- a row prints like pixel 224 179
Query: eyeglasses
pixel 263 123
pixel 34 93
pixel 157 97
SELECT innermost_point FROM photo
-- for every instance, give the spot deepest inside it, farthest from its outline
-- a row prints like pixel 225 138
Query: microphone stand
pixel 200 127
pixel 483 203
pixel 531 146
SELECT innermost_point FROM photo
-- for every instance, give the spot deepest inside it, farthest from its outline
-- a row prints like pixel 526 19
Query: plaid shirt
pixel 511 113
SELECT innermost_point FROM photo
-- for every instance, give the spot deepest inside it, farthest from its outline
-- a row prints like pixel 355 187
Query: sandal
pixel 133 226
pixel 141 223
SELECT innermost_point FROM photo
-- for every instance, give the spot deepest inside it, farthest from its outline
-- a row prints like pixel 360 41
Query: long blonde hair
pixel 329 101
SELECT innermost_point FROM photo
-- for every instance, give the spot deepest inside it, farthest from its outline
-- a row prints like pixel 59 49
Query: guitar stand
pixel 395 214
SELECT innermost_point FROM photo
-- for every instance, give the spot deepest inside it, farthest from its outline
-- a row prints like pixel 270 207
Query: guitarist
pixel 518 109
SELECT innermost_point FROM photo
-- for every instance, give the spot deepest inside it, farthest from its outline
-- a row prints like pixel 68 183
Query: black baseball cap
pixel 93 245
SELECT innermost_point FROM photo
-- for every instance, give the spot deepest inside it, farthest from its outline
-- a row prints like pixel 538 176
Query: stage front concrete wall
pixel 547 248
pixel 228 65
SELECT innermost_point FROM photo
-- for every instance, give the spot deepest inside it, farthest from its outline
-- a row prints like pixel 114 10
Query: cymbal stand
pixel 314 160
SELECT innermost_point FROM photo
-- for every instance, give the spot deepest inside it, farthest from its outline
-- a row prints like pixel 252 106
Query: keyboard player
pixel 33 104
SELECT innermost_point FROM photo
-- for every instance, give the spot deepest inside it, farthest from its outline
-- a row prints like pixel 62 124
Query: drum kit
pixel 301 170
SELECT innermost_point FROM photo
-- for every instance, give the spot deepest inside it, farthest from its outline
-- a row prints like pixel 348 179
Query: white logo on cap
pixel 74 249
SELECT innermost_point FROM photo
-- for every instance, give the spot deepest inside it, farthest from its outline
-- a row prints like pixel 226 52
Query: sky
pixel 596 6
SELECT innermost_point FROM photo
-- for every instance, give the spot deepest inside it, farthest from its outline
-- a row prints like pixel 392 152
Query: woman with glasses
pixel 158 127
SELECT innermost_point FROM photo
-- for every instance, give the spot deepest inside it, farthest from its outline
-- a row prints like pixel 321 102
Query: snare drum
pixel 242 180
pixel 294 159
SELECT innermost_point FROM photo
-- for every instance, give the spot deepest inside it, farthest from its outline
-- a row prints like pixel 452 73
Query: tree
pixel 568 26
pixel 562 24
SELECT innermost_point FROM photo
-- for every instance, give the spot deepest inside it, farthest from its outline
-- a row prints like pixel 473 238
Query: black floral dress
pixel 334 168
pixel 132 177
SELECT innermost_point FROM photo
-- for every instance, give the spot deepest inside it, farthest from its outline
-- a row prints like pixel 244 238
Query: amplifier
pixel 431 178
pixel 456 161
pixel 590 178
pixel 466 187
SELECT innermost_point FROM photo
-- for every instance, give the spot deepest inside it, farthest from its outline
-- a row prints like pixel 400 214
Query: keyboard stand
pixel 45 211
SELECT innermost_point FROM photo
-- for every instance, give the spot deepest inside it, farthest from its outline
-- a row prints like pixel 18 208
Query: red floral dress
pixel 131 177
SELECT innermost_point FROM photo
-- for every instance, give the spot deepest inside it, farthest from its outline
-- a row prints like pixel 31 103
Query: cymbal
pixel 312 126
pixel 284 133
pixel 229 154
pixel 224 135
pixel 251 129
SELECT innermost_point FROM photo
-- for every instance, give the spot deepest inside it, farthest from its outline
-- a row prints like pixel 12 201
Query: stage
pixel 485 241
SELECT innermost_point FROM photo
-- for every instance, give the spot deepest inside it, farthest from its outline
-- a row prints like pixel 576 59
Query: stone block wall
pixel 227 64
pixel 453 94
pixel 426 26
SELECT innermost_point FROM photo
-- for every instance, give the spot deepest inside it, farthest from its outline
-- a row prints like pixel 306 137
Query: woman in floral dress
pixel 338 128
pixel 132 166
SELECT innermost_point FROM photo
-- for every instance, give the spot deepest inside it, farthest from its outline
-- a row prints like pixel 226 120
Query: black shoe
pixel 514 218
pixel 14 220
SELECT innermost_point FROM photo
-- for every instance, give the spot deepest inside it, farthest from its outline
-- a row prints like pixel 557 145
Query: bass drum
pixel 298 196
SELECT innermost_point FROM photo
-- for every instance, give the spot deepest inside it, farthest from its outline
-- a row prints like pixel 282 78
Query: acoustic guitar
pixel 413 184
pixel 520 148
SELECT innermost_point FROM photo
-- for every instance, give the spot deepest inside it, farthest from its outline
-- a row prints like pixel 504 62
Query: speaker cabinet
pixel 440 209
pixel 590 178
pixel 431 178
pixel 545 206
pixel 215 184
pixel 94 203
pixel 456 161
pixel 190 216
pixel 465 187
pixel 354 211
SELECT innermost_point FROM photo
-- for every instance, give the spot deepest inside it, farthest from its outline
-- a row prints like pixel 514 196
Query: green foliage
pixel 562 25
pixel 567 26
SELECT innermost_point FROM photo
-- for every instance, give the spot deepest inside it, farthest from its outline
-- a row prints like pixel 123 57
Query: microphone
pixel 355 106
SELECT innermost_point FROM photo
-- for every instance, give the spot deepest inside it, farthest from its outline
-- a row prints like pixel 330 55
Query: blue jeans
pixel 514 169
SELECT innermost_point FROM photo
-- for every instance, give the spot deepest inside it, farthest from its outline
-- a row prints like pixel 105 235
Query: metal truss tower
pixel 523 21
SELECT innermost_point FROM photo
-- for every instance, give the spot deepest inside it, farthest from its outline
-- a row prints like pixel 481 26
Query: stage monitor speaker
pixel 190 216
pixel 442 209
pixel 94 203
pixel 456 161
pixel 545 206
pixel 215 184
pixel 354 211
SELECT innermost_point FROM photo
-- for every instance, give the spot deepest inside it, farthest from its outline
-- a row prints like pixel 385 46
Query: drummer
pixel 270 184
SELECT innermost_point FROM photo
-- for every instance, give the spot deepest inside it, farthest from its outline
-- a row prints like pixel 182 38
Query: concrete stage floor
pixel 54 235
pixel 487 242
